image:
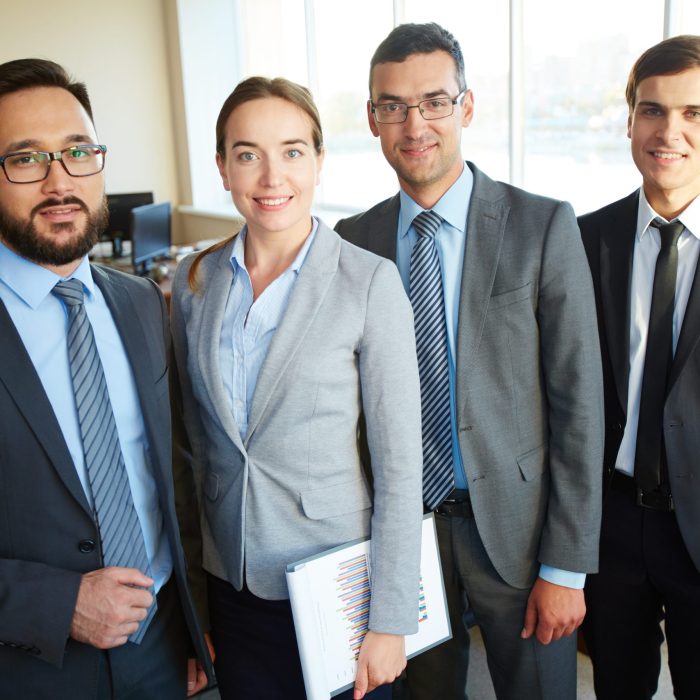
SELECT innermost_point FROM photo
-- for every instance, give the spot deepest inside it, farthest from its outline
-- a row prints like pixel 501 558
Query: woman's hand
pixel 382 658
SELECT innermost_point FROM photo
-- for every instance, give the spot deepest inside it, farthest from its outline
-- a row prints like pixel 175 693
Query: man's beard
pixel 43 248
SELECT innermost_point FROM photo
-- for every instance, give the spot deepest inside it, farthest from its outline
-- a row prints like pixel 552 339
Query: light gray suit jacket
pixel 529 388
pixel 296 485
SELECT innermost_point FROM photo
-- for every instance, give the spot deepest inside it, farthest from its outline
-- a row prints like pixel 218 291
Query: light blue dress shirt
pixel 42 322
pixel 451 239
pixel 248 326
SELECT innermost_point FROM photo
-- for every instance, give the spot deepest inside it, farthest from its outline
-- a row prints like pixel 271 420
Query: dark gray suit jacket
pixel 47 532
pixel 529 390
pixel 608 237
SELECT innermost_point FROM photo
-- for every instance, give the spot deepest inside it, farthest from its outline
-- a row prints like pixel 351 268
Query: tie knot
pixel 670 233
pixel 427 223
pixel 70 291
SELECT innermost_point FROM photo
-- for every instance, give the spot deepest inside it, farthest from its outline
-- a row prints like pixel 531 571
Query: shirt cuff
pixel 560 577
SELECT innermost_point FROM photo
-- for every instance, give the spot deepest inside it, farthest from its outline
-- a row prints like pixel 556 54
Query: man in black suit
pixel 88 608
pixel 643 253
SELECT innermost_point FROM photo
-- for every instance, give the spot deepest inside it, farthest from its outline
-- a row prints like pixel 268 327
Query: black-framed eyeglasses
pixel 434 108
pixel 83 160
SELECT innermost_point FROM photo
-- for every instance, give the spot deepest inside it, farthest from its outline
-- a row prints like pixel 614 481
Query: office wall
pixel 119 49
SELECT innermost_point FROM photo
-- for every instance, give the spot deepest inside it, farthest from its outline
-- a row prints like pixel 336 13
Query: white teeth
pixel 273 202
pixel 59 211
pixel 668 156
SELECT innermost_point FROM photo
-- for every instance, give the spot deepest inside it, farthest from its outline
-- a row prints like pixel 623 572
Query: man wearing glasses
pixel 93 596
pixel 510 379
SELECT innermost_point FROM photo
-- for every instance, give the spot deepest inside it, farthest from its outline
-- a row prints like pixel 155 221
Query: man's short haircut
pixel 27 73
pixel 668 57
pixel 409 39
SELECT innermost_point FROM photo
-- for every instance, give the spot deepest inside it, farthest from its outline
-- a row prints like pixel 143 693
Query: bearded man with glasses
pixel 510 379
pixel 94 602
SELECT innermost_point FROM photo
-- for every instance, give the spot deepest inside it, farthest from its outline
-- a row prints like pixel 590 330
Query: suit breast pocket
pixel 502 299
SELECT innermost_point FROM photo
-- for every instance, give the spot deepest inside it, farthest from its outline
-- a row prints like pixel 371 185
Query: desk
pixel 164 281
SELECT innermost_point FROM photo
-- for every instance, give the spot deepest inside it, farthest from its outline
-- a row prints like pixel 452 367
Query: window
pixel 556 124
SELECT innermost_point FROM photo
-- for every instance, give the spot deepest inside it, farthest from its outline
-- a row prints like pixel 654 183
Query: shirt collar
pixel 238 251
pixel 453 206
pixel 689 217
pixel 32 283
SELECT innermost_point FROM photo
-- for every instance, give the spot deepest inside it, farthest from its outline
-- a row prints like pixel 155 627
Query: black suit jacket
pixel 47 532
pixel 608 237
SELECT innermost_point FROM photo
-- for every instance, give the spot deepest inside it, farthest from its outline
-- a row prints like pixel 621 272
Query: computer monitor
pixel 119 226
pixel 150 235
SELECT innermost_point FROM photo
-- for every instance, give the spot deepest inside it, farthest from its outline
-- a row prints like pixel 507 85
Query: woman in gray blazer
pixel 288 342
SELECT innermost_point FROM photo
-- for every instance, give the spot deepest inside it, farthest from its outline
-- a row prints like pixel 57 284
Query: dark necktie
pixel 120 531
pixel 657 361
pixel 431 346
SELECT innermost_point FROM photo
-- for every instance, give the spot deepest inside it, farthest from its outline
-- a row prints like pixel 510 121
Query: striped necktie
pixel 120 531
pixel 431 346
pixel 650 455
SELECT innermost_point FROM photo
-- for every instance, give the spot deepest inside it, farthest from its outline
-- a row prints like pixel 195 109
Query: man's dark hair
pixel 670 56
pixel 409 39
pixel 26 73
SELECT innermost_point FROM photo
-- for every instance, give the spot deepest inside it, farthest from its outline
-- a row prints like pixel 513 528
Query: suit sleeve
pixel 36 608
pixel 573 383
pixel 391 404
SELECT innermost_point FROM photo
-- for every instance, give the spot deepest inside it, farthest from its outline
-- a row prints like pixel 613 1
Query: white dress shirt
pixel 647 244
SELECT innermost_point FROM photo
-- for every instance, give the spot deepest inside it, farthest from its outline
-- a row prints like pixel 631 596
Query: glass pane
pixel 576 147
pixel 689 16
pixel 482 30
pixel 273 39
pixel 355 174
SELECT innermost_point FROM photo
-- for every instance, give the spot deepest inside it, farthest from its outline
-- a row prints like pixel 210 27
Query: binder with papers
pixel 330 594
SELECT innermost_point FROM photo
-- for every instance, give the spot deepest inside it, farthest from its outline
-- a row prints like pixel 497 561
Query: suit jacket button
pixel 86 546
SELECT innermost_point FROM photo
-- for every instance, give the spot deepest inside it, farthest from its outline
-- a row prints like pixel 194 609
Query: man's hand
pixel 111 603
pixel 553 611
pixel 381 660
pixel 196 678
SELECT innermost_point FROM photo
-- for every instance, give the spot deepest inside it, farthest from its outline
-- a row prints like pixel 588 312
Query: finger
pixel 530 621
pixel 544 632
pixel 130 577
pixel 138 598
pixel 191 676
pixel 202 680
pixel 361 681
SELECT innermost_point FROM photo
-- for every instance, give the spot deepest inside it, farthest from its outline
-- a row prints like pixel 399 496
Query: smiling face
pixel 425 154
pixel 271 166
pixel 56 221
pixel 664 128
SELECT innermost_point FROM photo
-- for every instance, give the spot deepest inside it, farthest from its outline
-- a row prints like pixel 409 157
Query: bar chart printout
pixel 330 596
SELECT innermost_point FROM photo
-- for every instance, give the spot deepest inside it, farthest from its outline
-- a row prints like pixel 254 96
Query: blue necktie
pixel 120 531
pixel 431 346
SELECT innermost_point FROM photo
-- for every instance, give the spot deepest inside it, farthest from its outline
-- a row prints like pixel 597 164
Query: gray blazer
pixel 529 389
pixel 47 529
pixel 296 485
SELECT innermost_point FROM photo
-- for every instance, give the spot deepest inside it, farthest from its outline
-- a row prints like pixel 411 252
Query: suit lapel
pixel 134 337
pixel 140 351
pixel 486 224
pixel 214 305
pixel 309 291
pixel 18 374
pixel 381 234
pixel 616 253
